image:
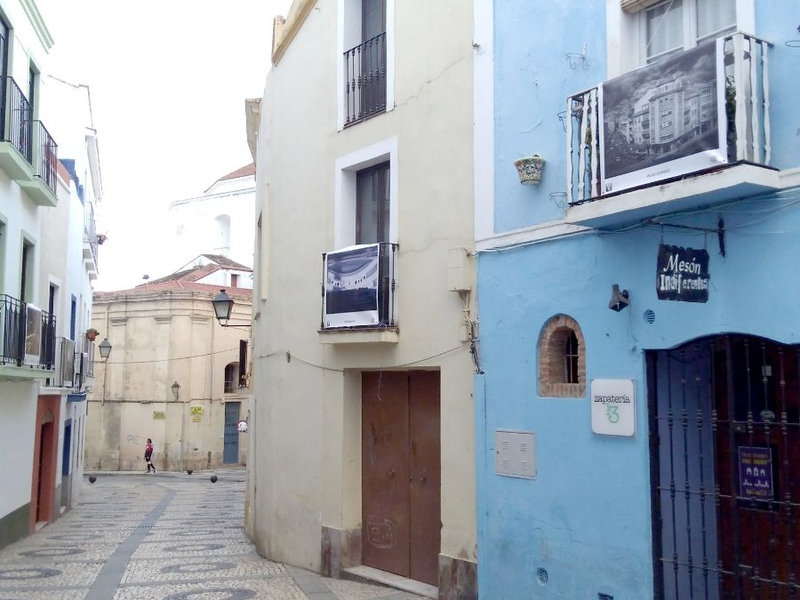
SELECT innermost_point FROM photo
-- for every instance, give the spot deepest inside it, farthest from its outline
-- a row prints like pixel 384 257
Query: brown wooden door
pixel 401 473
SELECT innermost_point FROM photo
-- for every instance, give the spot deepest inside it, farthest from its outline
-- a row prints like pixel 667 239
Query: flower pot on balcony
pixel 530 169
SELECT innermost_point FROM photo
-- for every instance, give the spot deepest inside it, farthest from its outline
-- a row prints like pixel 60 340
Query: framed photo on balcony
pixel 664 120
pixel 33 335
pixel 351 287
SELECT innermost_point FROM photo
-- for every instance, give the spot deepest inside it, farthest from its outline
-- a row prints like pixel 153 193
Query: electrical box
pixel 515 454
pixel 459 274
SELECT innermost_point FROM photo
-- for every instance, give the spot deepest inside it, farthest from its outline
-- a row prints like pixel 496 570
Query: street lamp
pixel 176 390
pixel 105 349
pixel 223 306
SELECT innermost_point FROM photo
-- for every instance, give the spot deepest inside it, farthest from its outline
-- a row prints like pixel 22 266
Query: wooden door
pixel 401 474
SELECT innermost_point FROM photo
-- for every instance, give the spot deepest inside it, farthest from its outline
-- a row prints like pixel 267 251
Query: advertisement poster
pixel 755 473
pixel 664 120
pixel 351 287
pixel 682 274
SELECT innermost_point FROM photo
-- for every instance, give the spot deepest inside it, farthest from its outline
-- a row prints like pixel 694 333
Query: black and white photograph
pixel 351 286
pixel 664 120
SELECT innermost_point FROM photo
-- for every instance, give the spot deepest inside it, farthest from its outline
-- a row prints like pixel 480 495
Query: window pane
pixel 664 29
pixel 372 205
pixel 715 17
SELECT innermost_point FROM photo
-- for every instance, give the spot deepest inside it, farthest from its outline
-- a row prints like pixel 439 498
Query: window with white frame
pixel 366 59
pixel 366 196
pixel 676 25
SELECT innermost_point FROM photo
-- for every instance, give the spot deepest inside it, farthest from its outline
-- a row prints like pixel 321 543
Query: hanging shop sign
pixel 613 407
pixel 755 473
pixel 682 274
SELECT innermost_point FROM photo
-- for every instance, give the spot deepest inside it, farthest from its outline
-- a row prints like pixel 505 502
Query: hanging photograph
pixel 664 120
pixel 351 286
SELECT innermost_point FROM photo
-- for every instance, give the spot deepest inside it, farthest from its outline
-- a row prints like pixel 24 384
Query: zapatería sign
pixel 682 274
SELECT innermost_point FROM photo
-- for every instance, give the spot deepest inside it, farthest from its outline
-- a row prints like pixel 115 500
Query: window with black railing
pixel 365 79
pixel 46 156
pixel 18 126
pixel 20 340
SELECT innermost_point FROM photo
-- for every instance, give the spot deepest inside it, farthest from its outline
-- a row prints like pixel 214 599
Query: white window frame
pixel 626 33
pixel 349 36
pixel 347 168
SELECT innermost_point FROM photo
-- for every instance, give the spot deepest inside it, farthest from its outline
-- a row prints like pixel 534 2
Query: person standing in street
pixel 148 453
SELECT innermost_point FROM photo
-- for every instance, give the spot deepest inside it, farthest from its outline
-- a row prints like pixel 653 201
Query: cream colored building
pixel 164 333
pixel 362 431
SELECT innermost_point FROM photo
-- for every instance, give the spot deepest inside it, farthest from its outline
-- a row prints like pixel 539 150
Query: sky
pixel 168 81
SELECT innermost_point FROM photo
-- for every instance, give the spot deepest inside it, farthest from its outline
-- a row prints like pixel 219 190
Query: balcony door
pixel 372 205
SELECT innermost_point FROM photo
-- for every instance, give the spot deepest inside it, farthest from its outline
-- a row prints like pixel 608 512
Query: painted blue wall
pixel 532 81
pixel 586 518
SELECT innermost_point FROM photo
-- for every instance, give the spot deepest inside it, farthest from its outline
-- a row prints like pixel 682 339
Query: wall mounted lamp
pixel 223 306
pixel 105 349
pixel 176 390
pixel 619 298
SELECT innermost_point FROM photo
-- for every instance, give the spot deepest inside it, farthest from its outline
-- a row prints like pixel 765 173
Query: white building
pixel 48 257
pixel 362 424
pixel 218 222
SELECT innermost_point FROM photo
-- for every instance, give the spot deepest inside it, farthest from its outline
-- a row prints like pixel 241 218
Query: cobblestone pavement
pixel 160 537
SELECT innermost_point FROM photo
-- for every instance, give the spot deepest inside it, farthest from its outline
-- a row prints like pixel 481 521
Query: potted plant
pixel 530 169
pixel 91 333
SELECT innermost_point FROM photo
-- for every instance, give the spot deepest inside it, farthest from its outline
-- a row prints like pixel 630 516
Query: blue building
pixel 638 409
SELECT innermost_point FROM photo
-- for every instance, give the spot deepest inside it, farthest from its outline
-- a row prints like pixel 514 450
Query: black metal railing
pixel 46 157
pixel 17 341
pixel 18 119
pixel 359 287
pixel 365 80
pixel 90 233
pixel 13 330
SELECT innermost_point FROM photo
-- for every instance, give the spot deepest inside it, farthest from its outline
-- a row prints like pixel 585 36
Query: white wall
pixel 17 432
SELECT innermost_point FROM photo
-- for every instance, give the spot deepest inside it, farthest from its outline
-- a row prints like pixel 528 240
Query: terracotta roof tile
pixel 245 171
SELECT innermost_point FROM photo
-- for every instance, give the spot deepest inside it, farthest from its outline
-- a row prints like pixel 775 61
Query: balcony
pixel 358 295
pixel 365 80
pixel 27 150
pixel 90 243
pixel 691 130
pixel 74 362
pixel 27 340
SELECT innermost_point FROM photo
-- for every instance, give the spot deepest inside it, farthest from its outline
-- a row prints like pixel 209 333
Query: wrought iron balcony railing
pixel 658 116
pixel 90 234
pixel 28 335
pixel 46 157
pixel 359 287
pixel 17 122
pixel 365 80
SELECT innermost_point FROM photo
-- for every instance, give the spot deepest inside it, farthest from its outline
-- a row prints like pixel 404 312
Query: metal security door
pixel 401 474
pixel 230 453
pixel 725 448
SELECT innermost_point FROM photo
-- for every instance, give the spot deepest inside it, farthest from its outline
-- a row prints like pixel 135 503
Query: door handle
pixel 391 472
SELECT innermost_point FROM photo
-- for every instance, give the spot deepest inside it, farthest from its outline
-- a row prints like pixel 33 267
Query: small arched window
pixel 231 377
pixel 562 359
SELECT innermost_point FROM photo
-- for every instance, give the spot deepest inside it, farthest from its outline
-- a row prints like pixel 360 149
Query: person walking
pixel 148 453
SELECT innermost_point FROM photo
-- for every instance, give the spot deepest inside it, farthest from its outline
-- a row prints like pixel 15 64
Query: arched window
pixel 231 377
pixel 562 359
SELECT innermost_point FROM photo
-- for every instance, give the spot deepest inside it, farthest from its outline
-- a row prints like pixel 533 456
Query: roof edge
pixel 284 29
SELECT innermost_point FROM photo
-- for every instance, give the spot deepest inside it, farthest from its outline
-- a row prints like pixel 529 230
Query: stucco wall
pixel 157 340
pixel 306 472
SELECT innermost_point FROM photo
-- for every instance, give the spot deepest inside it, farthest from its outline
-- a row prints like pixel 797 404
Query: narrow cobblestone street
pixel 167 536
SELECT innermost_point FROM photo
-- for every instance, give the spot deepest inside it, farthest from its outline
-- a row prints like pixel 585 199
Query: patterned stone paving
pixel 163 537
